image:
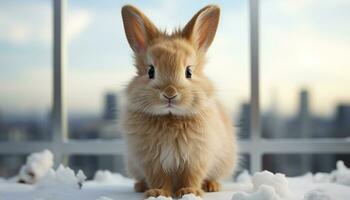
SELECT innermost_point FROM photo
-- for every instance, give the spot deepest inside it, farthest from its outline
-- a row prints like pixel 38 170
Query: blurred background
pixel 304 66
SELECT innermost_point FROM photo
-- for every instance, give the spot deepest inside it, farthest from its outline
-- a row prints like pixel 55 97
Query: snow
pixel 190 197
pixel 104 198
pixel 185 197
pixel 63 177
pixel 107 177
pixel 342 174
pixel 37 165
pixel 317 194
pixel 264 192
pixel 244 177
pixel 277 182
pixel 159 198
pixel 266 186
pixel 64 184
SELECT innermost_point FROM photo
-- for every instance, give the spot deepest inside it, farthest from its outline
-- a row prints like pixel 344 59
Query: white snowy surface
pixel 64 184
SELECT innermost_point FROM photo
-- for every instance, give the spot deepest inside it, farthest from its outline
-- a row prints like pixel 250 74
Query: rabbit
pixel 179 138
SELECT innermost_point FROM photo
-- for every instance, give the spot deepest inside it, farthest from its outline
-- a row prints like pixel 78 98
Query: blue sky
pixel 303 44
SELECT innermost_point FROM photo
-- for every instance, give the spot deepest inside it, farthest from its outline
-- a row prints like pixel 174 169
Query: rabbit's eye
pixel 188 72
pixel 151 72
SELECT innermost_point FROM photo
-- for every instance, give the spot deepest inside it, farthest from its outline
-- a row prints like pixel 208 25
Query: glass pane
pixel 305 75
pixel 11 164
pixel 100 62
pixel 296 164
pixel 244 163
pixel 92 163
pixel 25 70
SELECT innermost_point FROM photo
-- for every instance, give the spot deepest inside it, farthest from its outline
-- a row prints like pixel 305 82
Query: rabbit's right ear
pixel 139 29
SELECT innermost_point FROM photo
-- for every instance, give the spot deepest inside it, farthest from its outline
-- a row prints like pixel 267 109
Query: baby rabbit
pixel 179 138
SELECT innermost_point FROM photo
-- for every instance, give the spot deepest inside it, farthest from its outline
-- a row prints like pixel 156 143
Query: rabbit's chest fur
pixel 169 140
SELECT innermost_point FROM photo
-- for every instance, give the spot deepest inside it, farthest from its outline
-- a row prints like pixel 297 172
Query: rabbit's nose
pixel 170 92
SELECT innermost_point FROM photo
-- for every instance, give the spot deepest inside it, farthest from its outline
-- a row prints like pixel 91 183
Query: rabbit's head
pixel 170 77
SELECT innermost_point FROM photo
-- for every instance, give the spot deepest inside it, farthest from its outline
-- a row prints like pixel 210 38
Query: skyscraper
pixel 110 106
pixel 304 115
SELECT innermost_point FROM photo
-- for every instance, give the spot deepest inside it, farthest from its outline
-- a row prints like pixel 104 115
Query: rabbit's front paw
pixel 188 190
pixel 211 186
pixel 157 192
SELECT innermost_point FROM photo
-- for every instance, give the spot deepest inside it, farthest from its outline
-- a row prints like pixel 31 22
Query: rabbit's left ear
pixel 202 27
pixel 139 30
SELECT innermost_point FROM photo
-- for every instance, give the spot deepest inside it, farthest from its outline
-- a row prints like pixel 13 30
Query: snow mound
pixel 159 198
pixel 63 177
pixel 266 186
pixel 107 177
pixel 104 198
pixel 342 174
pixel 317 194
pixel 244 177
pixel 190 197
pixel 184 197
pixel 264 192
pixel 277 181
pixel 321 177
pixel 37 165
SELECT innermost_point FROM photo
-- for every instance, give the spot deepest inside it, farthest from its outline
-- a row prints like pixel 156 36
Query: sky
pixel 304 44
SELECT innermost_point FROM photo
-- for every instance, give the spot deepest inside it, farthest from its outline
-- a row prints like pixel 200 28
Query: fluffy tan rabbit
pixel 179 138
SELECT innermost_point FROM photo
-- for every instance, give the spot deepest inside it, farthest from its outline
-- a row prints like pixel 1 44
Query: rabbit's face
pixel 169 67
pixel 171 82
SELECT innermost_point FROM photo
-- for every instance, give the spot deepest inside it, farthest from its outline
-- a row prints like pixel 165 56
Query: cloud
pixel 77 22
pixel 27 23
pixel 23 23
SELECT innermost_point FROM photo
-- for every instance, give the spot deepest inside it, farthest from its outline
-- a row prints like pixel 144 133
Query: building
pixel 110 106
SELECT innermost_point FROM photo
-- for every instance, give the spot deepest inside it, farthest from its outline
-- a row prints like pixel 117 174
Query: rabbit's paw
pixel 211 186
pixel 188 190
pixel 157 192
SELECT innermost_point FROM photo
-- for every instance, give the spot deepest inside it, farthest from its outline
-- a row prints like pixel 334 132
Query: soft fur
pixel 186 146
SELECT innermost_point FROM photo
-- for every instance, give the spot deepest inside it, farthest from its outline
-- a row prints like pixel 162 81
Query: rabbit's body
pixel 170 143
pixel 178 135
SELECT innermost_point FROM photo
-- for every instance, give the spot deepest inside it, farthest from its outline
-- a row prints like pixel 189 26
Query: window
pixel 304 69
pixel 304 78
pixel 295 70
pixel 25 76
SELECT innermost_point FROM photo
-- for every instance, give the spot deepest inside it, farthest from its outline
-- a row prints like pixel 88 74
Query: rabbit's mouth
pixel 170 105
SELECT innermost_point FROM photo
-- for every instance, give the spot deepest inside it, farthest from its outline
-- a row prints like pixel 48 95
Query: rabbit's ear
pixel 139 29
pixel 202 27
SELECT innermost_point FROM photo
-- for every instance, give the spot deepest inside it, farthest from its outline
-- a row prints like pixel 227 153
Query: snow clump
pixel 317 194
pixel 264 192
pixel 277 181
pixel 37 166
pixel 190 197
pixel 266 186
pixel 107 177
pixel 159 198
pixel 342 174
pixel 184 197
pixel 63 177
pixel 104 198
